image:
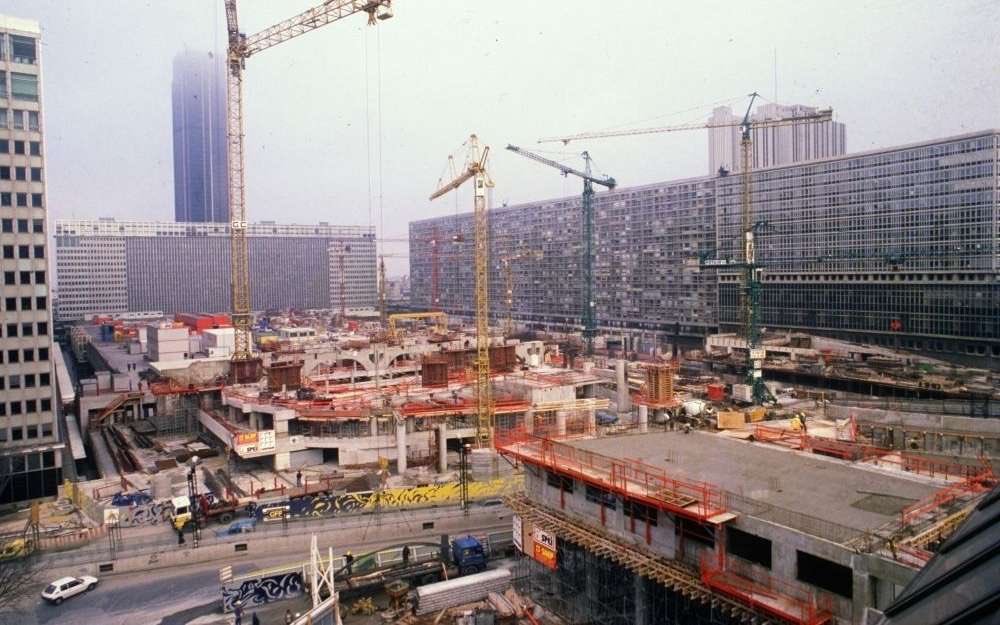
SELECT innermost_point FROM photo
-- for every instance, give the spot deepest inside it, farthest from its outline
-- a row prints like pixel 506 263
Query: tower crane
pixel 508 277
pixel 475 170
pixel 750 287
pixel 589 180
pixel 244 366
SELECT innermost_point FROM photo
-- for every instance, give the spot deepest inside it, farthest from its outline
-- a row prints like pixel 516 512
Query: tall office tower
pixel 106 266
pixel 778 145
pixel 30 448
pixel 199 110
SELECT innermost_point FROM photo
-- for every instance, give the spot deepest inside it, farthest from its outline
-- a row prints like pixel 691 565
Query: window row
pixel 28 406
pixel 19 120
pixel 28 380
pixel 21 173
pixel 11 305
pixel 27 354
pixel 23 87
pixel 37 226
pixel 34 147
pixel 13 278
pixel 23 251
pixel 21 199
pixel 22 49
pixel 28 432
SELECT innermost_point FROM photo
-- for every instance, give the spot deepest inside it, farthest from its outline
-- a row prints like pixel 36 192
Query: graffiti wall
pixel 415 497
pixel 144 514
pixel 258 591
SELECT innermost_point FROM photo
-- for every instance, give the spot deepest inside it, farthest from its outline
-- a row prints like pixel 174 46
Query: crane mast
pixel 244 366
pixel 476 171
pixel 587 308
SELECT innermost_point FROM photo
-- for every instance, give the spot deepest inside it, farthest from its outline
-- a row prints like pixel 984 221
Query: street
pixel 175 596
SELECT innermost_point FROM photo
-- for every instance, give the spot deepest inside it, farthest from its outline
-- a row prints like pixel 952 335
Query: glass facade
pixel 899 246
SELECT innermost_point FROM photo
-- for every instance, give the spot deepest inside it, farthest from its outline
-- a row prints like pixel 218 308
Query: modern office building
pixel 199 120
pixel 106 266
pixel 644 241
pixel 30 447
pixel 896 247
pixel 777 145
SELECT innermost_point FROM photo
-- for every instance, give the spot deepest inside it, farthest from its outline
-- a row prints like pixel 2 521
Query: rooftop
pixel 832 490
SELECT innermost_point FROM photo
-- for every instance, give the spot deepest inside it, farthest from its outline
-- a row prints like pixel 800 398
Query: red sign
pixel 544 548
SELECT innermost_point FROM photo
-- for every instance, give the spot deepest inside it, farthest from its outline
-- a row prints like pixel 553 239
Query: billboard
pixel 544 547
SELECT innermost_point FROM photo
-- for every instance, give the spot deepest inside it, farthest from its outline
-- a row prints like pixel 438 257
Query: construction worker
pixel 406 555
pixel 298 478
pixel 349 559
pixel 238 613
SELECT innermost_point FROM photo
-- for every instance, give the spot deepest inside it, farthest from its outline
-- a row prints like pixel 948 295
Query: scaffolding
pixel 632 479
pixel 620 559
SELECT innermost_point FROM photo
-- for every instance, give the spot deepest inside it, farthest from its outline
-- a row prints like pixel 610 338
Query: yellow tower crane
pixel 244 366
pixel 750 288
pixel 475 169
pixel 508 278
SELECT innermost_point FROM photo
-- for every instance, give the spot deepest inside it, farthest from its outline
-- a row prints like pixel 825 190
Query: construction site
pixel 644 461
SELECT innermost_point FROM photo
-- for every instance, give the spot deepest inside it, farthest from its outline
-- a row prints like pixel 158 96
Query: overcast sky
pixel 511 71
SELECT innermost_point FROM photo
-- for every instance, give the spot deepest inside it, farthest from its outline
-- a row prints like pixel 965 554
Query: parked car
pixel 66 587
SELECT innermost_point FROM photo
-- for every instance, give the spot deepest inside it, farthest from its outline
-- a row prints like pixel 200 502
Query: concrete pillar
pixel 643 418
pixel 401 446
pixel 591 421
pixel 623 402
pixel 560 423
pixel 373 426
pixel 529 421
pixel 442 447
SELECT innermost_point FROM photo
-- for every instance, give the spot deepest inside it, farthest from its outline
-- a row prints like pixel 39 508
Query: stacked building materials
pixel 461 590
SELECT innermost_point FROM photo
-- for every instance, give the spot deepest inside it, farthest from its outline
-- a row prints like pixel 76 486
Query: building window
pixel 8 252
pixel 39 277
pixel 36 174
pixel 7 225
pixel 27 329
pixel 5 198
pixel 43 380
pixel 25 303
pixel 555 480
pixel 601 496
pixel 23 49
pixel 24 251
pixel 46 405
pixel 8 278
pixel 32 431
pixel 4 143
pixel 22 199
pixel 37 226
pixel 21 174
pixel 3 432
pixel 18 119
pixel 39 251
pixel 29 380
pixel 43 328
pixel 749 547
pixel 36 200
pixel 40 303
pixel 3 80
pixel 35 147
pixel 824 574
pixel 32 120
pixel 22 225
pixel 47 431
pixel 4 173
pixel 24 87
pixel 639 511
pixel 29 355
pixel 43 353
pixel 16 433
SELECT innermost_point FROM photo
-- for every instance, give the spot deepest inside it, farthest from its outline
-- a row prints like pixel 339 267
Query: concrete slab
pixel 817 486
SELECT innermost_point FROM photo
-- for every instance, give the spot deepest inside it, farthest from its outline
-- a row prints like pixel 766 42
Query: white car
pixel 66 587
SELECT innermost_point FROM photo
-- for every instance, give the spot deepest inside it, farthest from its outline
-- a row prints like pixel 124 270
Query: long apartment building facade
pixel 644 240
pixel 897 247
pixel 30 447
pixel 106 266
